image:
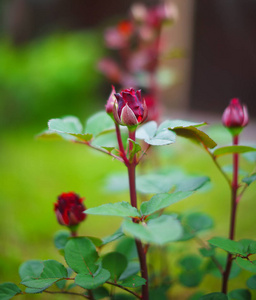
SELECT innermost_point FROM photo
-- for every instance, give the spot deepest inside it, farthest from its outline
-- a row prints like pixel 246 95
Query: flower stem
pixel 133 197
pixel 120 144
pixel 234 202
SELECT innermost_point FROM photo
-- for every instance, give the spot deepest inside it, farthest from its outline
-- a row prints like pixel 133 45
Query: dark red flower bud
pixel 111 102
pixel 130 110
pixel 235 115
pixel 69 209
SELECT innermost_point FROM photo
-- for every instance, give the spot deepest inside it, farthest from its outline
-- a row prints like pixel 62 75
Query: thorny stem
pixel 124 288
pixel 133 197
pixel 234 202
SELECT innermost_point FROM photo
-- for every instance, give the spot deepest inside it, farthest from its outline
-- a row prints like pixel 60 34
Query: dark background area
pixel 224 54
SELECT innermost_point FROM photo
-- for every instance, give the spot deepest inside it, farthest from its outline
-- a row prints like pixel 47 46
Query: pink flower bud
pixel 130 110
pixel 69 209
pixel 111 102
pixel 235 115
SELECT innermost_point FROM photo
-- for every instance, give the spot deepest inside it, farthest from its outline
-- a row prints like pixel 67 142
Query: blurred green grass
pixel 34 172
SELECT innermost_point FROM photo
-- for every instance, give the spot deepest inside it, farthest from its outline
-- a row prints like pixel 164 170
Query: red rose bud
pixel 235 115
pixel 130 110
pixel 111 102
pixel 69 209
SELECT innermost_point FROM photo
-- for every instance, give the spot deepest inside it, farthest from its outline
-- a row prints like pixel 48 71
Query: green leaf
pixel 251 282
pixel 115 263
pixel 8 290
pixel 135 149
pixel 161 201
pixel 127 247
pixel 190 262
pixel 146 131
pixel 119 209
pixel 96 241
pixel 99 123
pixel 222 260
pixel 246 264
pixel 214 296
pixel 61 238
pixel 240 294
pixel 81 255
pixel 195 134
pixel 116 235
pixel 162 138
pixel 233 149
pixel 207 252
pixel 52 272
pixel 197 222
pixel 172 124
pixel 191 278
pixel 132 269
pixel 154 183
pixel 248 246
pixel 133 281
pixel 34 291
pixel 250 179
pixel 196 296
pixel 227 245
pixel 159 231
pixel 31 268
pixel 53 135
pixel 70 125
pixel 89 282
pixel 192 184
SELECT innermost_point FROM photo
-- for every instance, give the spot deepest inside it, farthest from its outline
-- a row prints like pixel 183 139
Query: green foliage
pixel 246 264
pixel 194 223
pixel 133 281
pixel 89 281
pixel 81 256
pixel 61 238
pixel 152 136
pixel 214 296
pixel 233 149
pixel 115 263
pixel 243 247
pixel 159 231
pixel 161 201
pixel 250 179
pixel 119 209
pixel 40 78
pixel 8 290
pixel 52 272
pixel 251 282
pixel 240 294
pixel 31 268
pixel 99 123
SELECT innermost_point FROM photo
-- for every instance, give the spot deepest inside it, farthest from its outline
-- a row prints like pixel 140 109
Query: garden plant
pixel 122 133
pixel 141 260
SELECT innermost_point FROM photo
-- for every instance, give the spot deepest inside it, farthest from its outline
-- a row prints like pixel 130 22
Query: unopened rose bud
pixel 235 115
pixel 111 102
pixel 130 110
pixel 69 209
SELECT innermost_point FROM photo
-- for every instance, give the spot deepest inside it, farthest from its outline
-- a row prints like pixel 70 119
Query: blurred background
pixel 49 55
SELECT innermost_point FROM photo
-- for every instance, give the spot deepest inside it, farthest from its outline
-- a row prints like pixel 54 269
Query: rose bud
pixel 111 102
pixel 69 209
pixel 129 109
pixel 235 115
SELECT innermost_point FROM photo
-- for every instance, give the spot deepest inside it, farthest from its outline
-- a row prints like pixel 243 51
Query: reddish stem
pixel 120 144
pixel 133 197
pixel 234 203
